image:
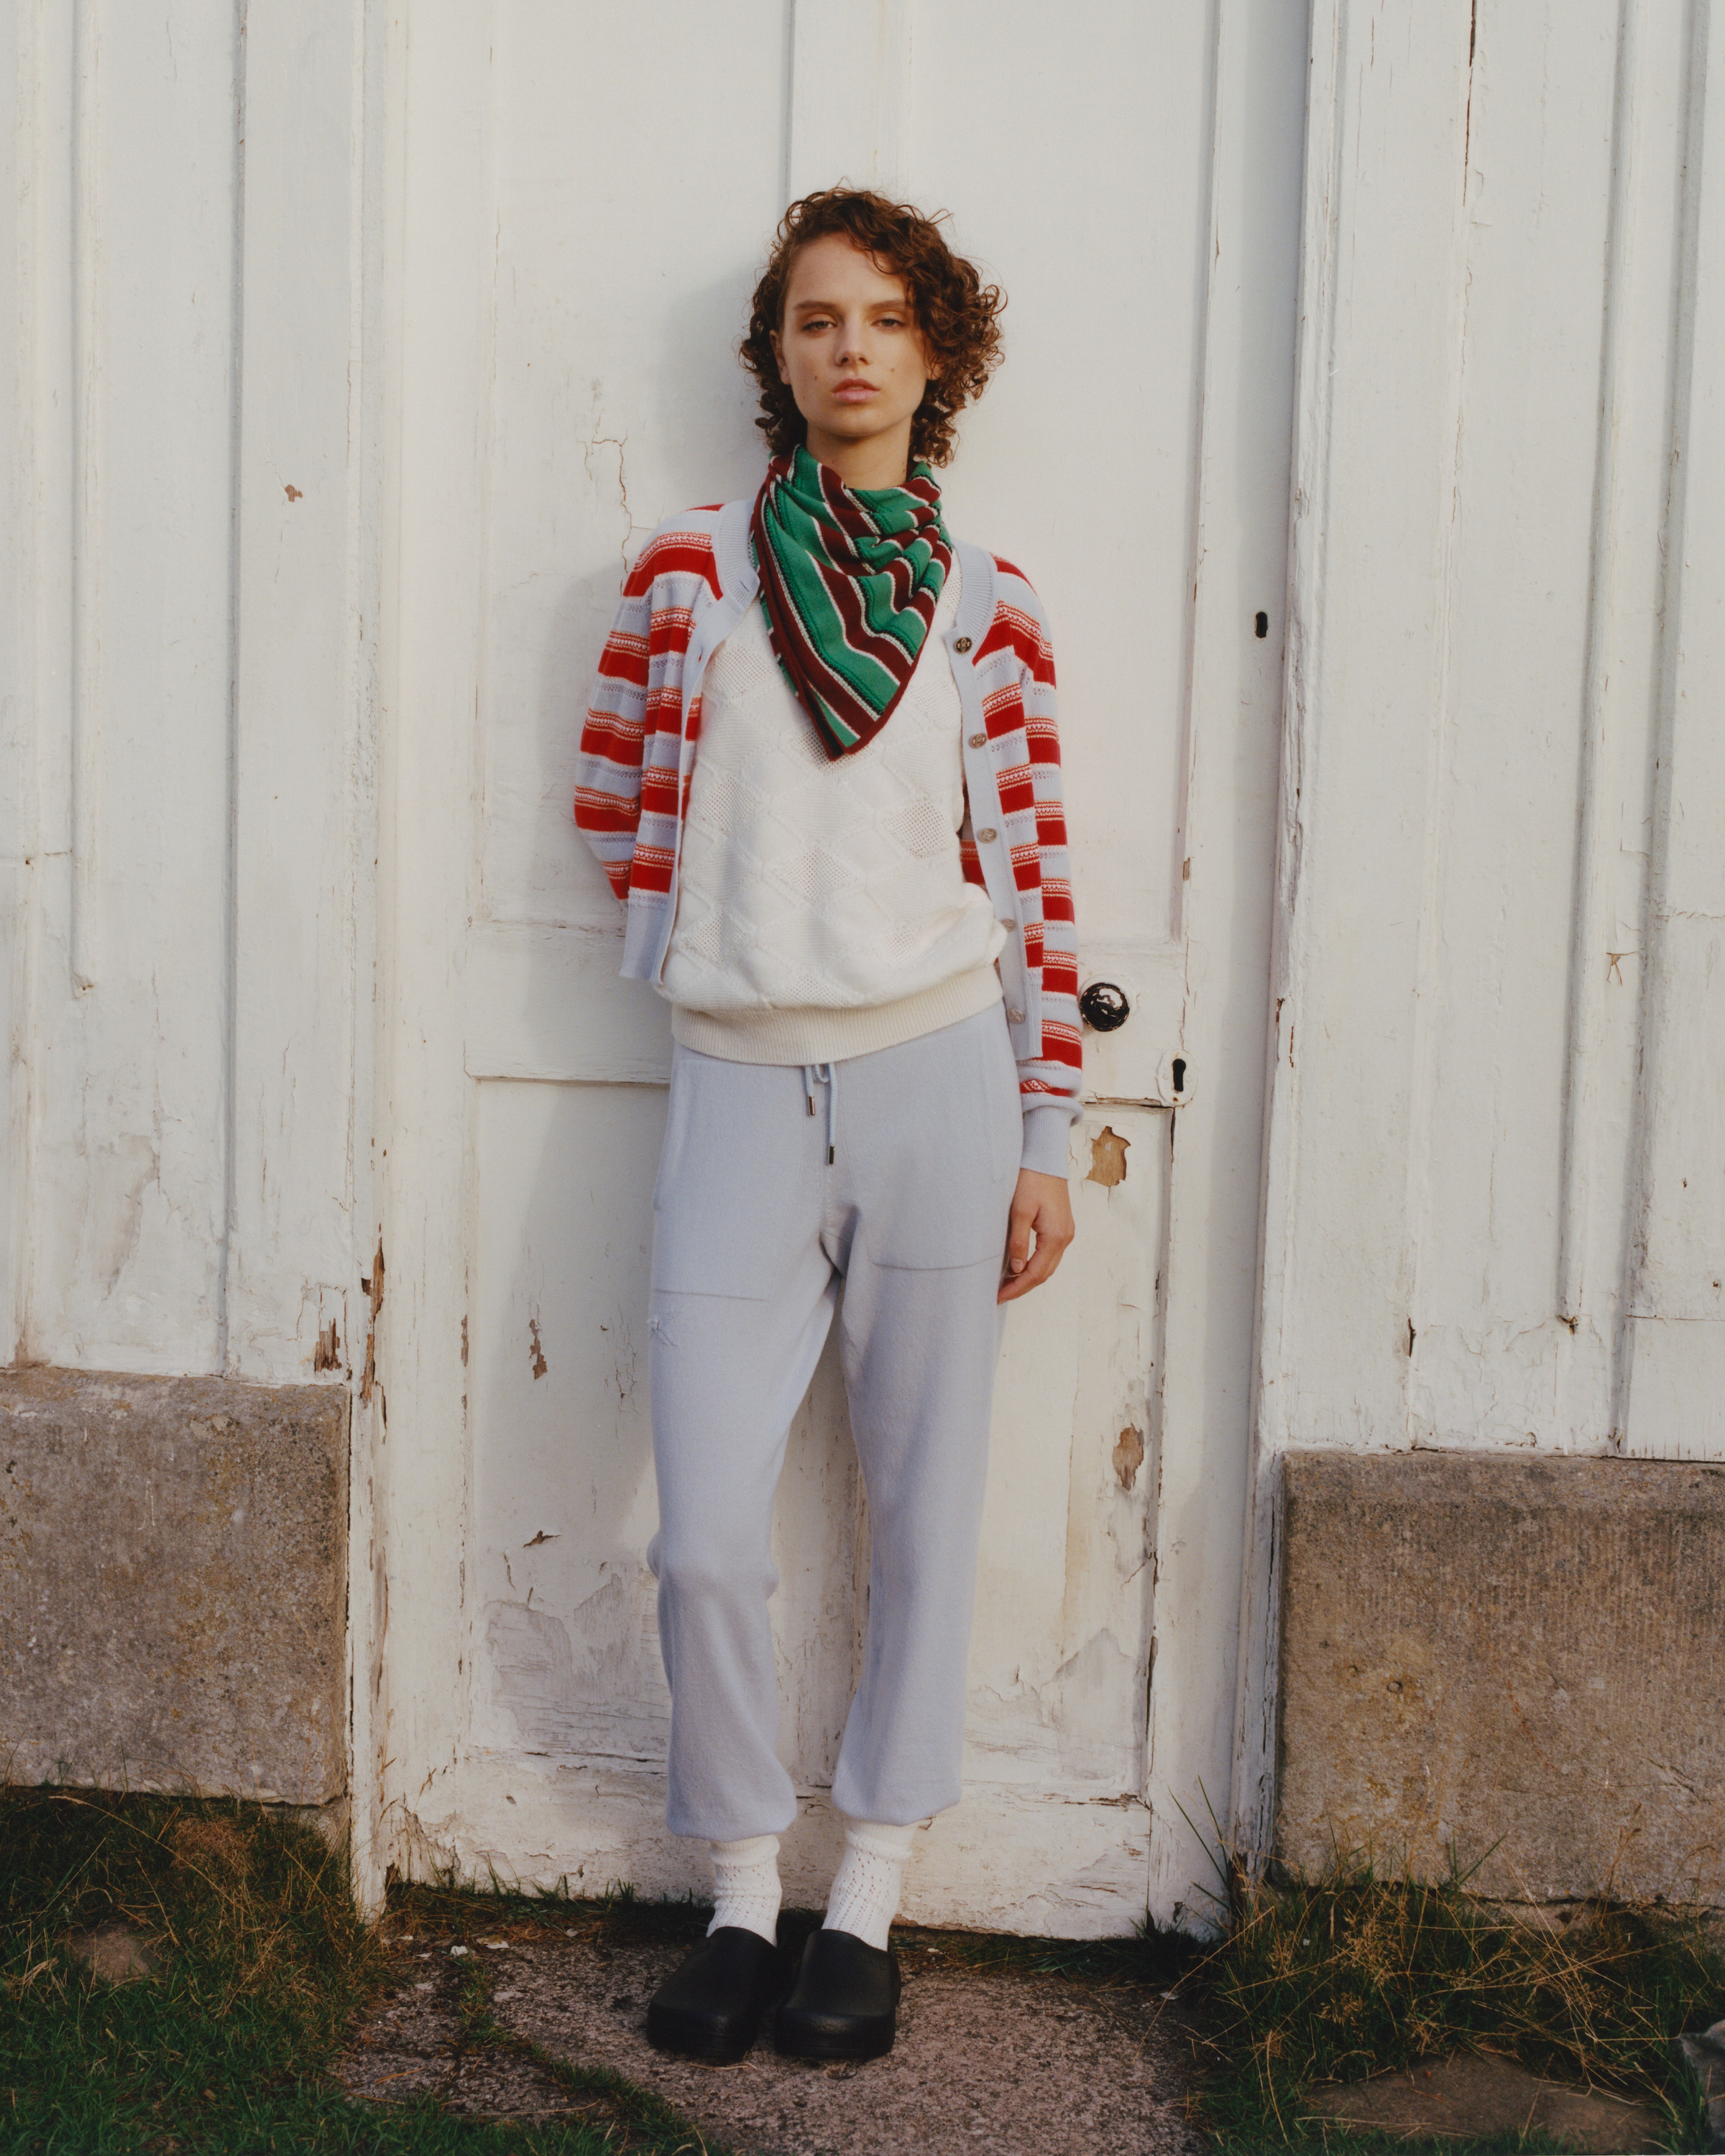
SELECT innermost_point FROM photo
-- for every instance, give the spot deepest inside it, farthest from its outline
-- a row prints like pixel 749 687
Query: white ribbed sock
pixel 746 1889
pixel 865 1887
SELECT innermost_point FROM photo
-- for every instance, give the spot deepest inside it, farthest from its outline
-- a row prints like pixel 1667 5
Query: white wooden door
pixel 578 196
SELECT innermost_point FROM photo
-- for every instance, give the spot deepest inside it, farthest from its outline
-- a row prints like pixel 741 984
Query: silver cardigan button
pixel 961 643
pixel 987 836
pixel 1016 1017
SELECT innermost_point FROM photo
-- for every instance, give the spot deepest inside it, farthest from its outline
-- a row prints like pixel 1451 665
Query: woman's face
pixel 850 352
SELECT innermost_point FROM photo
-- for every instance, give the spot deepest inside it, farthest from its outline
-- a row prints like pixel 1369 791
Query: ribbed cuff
pixel 1048 1128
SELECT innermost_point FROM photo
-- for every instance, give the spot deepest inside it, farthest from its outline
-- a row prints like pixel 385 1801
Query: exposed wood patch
pixel 327 1353
pixel 373 1287
pixel 1107 1158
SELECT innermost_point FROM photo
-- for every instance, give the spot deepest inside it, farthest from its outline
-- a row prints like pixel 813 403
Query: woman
pixel 821 769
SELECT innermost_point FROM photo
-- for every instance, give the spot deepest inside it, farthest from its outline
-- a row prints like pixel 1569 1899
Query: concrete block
pixel 173 1584
pixel 1481 1649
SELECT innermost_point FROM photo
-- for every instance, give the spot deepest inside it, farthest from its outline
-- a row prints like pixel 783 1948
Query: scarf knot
pixel 851 577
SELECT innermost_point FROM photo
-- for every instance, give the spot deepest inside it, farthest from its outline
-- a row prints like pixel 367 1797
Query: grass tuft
pixel 1333 1979
pixel 262 1967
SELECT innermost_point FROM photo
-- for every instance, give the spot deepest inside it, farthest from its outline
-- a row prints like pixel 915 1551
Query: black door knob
pixel 1103 1007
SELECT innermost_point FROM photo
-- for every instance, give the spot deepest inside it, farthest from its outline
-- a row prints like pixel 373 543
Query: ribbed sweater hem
pixel 829 1036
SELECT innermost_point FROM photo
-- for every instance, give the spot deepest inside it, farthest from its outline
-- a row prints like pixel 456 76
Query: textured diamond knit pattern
pixel 745 1888
pixel 810 883
pixel 867 1884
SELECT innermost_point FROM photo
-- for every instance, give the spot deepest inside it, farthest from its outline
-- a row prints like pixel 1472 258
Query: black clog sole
pixel 663 2035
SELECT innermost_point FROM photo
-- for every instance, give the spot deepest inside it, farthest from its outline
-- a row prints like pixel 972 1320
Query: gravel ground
pixel 1016 2065
pixel 414 2045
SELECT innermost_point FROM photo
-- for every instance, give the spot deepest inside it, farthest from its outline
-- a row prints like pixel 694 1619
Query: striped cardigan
pixel 692 584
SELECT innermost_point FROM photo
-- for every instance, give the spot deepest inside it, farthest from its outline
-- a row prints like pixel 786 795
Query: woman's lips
pixel 854 392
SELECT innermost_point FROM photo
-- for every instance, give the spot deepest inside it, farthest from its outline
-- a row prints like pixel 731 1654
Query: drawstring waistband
pixel 828 1075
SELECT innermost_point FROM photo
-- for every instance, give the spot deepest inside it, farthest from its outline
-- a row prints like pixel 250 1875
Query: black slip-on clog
pixel 844 2002
pixel 713 2003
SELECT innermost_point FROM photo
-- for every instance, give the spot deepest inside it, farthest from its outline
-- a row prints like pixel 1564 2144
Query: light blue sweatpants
pixel 755 1229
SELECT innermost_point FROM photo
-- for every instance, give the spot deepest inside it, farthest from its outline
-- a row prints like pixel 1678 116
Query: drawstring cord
pixel 826 1074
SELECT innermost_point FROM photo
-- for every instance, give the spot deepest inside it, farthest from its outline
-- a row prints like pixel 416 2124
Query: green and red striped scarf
pixel 849 579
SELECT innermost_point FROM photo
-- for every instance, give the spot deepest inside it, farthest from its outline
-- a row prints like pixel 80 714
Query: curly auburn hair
pixel 958 315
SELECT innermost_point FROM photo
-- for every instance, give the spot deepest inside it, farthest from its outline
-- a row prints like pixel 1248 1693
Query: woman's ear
pixel 778 354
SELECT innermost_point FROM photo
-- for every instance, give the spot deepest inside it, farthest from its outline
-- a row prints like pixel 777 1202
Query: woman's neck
pixel 881 459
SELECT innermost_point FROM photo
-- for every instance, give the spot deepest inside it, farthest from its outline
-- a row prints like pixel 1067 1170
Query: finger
pixel 1043 1261
pixel 1054 1238
pixel 1019 1223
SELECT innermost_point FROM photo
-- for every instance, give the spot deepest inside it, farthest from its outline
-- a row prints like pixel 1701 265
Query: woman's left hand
pixel 1042 1208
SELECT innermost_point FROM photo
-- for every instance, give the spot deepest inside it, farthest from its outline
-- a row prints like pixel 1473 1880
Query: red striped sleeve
pixel 1044 739
pixel 625 658
pixel 671 554
pixel 598 810
pixel 652 868
pixel 1013 630
pixel 1062 1043
pixel 1003 711
pixel 615 738
pixel 670 632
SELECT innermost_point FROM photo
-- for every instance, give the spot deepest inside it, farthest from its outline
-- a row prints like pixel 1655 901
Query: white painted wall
pixel 1495 1187
pixel 188 596
pixel 338 396
pixel 186 784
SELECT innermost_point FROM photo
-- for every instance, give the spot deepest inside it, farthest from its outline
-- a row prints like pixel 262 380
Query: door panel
pixel 610 260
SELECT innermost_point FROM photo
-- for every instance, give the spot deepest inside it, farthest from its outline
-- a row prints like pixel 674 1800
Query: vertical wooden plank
pixel 437 328
pixel 1677 1313
pixel 1622 708
pixel 849 112
pixel 87 399
pixel 1227 890
pixel 299 787
pixel 1369 590
pixel 367 1600
pixel 36 656
pixel 18 154
pixel 1492 1355
pixel 129 1072
pixel 1595 908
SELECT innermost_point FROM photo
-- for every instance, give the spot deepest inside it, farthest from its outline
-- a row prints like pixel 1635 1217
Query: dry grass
pixel 1333 1979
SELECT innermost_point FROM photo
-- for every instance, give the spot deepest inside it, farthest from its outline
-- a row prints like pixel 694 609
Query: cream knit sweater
pixel 821 909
